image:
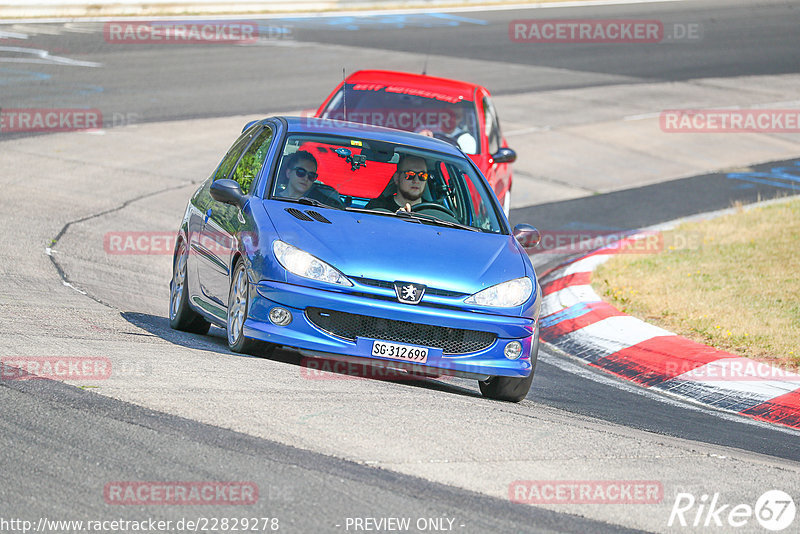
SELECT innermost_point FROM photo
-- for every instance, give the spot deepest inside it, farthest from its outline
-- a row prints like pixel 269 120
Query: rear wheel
pixel 238 307
pixel 181 316
pixel 509 388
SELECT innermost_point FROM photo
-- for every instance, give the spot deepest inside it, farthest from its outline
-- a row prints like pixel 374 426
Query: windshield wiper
pixel 365 210
pixel 417 218
pixel 435 220
pixel 309 202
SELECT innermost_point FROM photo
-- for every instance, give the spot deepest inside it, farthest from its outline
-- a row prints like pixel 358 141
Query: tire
pixel 238 308
pixel 509 388
pixel 181 315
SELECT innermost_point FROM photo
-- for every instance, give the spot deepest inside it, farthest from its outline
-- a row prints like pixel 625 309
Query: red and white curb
pixel 577 321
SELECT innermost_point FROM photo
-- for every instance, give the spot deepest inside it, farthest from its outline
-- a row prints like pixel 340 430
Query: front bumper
pixel 311 340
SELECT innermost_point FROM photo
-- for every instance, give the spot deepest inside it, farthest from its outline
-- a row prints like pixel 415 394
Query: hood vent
pixel 298 214
pixel 318 216
pixel 308 216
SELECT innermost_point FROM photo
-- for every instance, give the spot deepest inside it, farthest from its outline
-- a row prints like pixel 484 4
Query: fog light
pixel 280 316
pixel 513 350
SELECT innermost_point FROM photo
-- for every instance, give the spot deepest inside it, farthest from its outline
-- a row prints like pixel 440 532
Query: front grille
pixel 389 285
pixel 374 283
pixel 350 326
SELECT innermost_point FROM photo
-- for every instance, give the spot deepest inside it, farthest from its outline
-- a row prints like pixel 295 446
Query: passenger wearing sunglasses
pixel 300 180
pixel 299 175
pixel 410 180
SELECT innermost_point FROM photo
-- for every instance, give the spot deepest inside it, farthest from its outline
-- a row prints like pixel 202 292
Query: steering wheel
pixel 433 206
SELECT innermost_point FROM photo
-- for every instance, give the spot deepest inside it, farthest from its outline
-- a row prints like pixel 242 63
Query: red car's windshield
pixel 421 111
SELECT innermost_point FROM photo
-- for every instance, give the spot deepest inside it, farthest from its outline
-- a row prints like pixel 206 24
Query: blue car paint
pixel 387 247
pixel 380 247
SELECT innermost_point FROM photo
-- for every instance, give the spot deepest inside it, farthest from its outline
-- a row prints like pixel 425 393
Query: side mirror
pixel 248 125
pixel 228 192
pixel 527 235
pixel 504 155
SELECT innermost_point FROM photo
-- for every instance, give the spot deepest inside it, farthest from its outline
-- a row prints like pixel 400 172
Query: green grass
pixel 732 283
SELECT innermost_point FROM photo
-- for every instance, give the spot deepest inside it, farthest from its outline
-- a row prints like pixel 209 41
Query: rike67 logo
pixel 774 510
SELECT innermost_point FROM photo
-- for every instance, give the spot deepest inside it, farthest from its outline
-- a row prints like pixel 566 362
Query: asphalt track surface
pixel 154 82
pixel 60 442
pixel 129 442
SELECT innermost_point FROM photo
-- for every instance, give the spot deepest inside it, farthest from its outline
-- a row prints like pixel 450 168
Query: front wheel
pixel 238 307
pixel 509 388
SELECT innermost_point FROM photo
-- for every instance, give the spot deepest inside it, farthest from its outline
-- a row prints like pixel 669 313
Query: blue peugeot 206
pixel 351 242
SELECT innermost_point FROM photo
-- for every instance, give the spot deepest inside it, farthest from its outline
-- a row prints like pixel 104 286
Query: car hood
pixel 388 248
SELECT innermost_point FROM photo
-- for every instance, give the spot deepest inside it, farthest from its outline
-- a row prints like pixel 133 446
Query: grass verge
pixel 732 283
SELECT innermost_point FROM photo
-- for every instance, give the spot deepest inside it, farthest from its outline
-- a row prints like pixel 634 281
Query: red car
pixel 459 112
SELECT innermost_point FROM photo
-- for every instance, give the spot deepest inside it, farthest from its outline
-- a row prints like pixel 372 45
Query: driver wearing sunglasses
pixel 410 179
pixel 299 176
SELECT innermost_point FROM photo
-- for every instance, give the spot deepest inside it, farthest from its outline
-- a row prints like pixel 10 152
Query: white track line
pixel 42 56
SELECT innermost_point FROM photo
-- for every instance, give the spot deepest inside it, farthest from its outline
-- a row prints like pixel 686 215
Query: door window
pixel 230 159
pixel 253 159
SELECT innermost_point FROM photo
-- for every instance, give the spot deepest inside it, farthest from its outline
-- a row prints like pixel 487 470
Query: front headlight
pixel 303 264
pixel 505 295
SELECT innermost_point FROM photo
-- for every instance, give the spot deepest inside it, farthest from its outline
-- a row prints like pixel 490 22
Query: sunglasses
pixel 301 172
pixel 422 175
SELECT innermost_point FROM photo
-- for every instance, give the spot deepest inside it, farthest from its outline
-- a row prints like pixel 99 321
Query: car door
pixel 216 241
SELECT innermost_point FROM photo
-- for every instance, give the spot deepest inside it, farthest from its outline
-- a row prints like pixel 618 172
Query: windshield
pixel 427 112
pixel 384 178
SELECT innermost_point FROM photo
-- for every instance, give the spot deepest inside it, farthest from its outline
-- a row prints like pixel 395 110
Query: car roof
pixel 358 130
pixel 424 83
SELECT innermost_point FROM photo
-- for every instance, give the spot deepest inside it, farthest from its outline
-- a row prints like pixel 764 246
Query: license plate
pixel 396 351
